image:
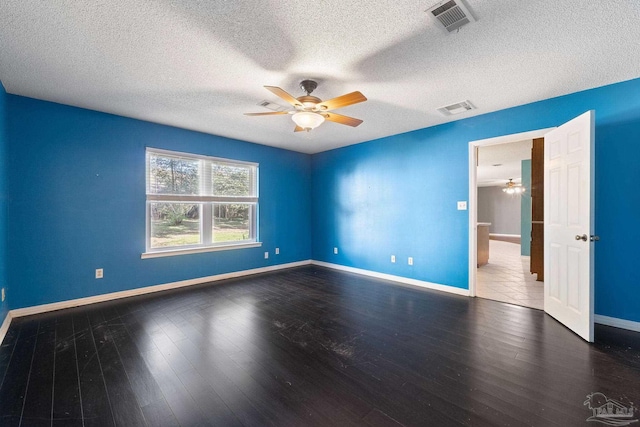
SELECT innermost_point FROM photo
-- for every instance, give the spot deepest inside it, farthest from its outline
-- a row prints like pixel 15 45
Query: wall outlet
pixel 3 296
pixel 393 258
pixel 410 260
pixel 99 273
pixel 462 206
pixel 277 251
pixel 266 255
pixel 335 251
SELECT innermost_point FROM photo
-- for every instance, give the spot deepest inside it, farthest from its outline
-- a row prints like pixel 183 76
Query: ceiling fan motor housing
pixel 308 101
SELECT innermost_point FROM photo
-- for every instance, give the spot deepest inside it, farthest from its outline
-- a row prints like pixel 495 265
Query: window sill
pixel 174 252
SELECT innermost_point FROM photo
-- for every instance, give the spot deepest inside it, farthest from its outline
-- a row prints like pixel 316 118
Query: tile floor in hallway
pixel 506 277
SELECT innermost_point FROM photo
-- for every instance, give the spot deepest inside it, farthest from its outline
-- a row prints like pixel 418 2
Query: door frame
pixel 473 191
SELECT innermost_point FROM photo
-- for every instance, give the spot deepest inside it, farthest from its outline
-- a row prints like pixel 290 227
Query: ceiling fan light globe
pixel 307 120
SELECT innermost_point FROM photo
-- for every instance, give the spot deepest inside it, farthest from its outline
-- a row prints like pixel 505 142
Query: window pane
pixel 173 175
pixel 232 180
pixel 175 224
pixel 199 201
pixel 231 222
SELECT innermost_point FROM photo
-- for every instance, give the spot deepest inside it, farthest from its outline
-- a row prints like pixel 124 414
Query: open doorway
pixel 568 216
pixel 504 210
pixel 500 221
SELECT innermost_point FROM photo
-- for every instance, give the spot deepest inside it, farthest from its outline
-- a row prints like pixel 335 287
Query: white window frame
pixel 206 199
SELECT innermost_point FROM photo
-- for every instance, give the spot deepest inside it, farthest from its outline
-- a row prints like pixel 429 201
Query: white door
pixel 568 224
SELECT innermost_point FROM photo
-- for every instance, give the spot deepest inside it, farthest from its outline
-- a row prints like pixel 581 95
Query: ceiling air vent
pixel 451 14
pixel 272 106
pixel 457 108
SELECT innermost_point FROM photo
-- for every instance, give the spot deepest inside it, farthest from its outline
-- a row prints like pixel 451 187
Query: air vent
pixel 451 14
pixel 271 106
pixel 457 108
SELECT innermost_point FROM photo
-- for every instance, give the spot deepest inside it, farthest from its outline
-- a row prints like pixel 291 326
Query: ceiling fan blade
pixel 342 101
pixel 284 95
pixel 270 113
pixel 343 120
pixel 298 129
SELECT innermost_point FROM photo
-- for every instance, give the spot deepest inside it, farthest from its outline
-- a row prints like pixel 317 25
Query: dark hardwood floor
pixel 308 346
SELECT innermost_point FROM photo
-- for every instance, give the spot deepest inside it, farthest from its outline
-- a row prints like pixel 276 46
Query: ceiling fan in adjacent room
pixel 310 111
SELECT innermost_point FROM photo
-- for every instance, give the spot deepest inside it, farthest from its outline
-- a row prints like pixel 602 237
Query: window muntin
pixel 198 201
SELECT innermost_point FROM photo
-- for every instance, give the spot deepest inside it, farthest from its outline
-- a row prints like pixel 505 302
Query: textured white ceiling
pixel 201 64
pixel 499 163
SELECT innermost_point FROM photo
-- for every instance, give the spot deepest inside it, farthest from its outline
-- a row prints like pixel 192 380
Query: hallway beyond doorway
pixel 506 277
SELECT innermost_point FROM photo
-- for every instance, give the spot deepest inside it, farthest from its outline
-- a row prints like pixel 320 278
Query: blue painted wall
pixel 525 210
pixel 394 196
pixel 397 195
pixel 4 306
pixel 77 185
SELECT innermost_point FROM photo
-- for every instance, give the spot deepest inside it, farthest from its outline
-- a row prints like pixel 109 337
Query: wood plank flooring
pixel 308 347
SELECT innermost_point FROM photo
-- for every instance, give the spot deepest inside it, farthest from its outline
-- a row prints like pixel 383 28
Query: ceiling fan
pixel 310 112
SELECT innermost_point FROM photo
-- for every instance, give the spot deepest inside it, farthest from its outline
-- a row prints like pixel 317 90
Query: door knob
pixel 584 237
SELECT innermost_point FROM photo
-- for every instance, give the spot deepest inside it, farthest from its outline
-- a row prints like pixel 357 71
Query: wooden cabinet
pixel 537 209
pixel 483 243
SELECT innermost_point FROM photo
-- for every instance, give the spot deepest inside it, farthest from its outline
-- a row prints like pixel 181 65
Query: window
pixel 198 203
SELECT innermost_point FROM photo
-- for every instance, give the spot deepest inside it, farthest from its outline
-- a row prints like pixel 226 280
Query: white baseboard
pixel 27 311
pixel 399 279
pixel 5 327
pixel 616 322
pixel 604 320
